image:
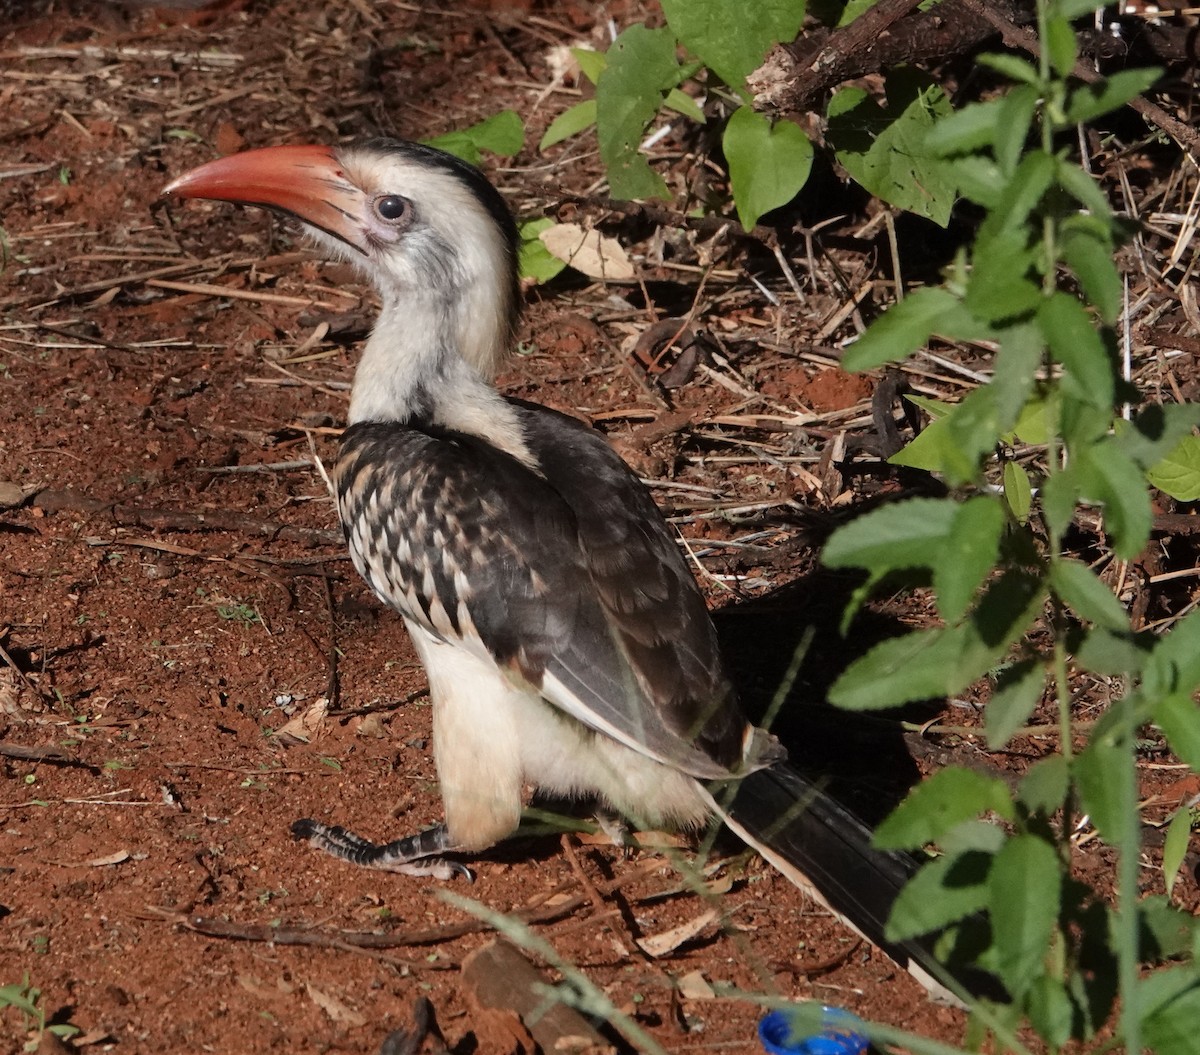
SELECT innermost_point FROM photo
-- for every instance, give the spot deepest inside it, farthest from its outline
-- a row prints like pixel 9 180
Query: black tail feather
pixel 826 850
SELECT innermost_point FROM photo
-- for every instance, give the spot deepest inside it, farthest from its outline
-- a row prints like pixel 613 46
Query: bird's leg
pixel 413 855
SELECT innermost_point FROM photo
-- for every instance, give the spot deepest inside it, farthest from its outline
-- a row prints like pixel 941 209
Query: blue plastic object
pixel 837 1036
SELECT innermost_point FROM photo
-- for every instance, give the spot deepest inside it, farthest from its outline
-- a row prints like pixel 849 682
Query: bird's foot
pixel 414 855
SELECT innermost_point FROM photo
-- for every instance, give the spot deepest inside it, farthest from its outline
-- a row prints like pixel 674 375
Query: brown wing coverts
pixel 571 574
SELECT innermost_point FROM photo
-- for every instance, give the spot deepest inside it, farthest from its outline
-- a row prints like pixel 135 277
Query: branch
pixel 795 76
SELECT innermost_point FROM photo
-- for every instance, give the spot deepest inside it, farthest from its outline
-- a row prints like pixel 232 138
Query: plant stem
pixel 1126 930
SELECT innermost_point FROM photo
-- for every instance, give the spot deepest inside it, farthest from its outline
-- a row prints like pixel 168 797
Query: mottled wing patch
pixel 428 530
pixel 570 579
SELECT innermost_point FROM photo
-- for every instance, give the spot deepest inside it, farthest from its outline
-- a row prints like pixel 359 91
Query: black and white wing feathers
pixel 567 577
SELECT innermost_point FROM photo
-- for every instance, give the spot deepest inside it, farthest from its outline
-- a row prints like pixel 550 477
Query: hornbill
pixel 566 643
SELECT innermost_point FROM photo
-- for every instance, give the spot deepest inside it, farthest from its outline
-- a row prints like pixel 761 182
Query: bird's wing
pixel 569 578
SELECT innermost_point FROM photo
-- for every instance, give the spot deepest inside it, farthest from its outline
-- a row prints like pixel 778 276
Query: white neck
pixel 412 371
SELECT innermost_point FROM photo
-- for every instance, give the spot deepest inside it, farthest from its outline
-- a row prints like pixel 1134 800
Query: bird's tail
pixel 825 850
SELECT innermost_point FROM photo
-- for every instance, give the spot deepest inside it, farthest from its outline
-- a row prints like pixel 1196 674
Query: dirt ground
pixel 173 591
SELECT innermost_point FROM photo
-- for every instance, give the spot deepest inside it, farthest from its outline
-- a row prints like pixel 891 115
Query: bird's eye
pixel 392 207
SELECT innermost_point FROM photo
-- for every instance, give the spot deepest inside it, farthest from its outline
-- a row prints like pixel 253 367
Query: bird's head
pixel 428 230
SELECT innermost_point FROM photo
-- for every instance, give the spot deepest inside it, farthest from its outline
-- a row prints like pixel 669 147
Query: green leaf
pixel 965 130
pixel 1017 364
pixel 886 151
pixel 1103 794
pixel 940 803
pixel 684 104
pixel 1111 476
pixel 767 165
pixel 569 123
pixel 1178 717
pixel 1178 474
pixel 1087 249
pixel 1086 595
pixel 731 38
pixel 1082 187
pixel 1089 101
pixel 1000 286
pixel 935 449
pixel 1081 423
pixel 534 260
pixel 1044 787
pixel 1034 423
pixel 982 836
pixel 1175 846
pixel 1174 665
pixel 1012 130
pixel 967 557
pixel 1025 888
pixel 1018 491
pixel 980 180
pixel 1155 433
pixel 957 440
pixel 629 92
pixel 944 891
pixel 918 666
pixel 1051 1010
pixel 591 63
pixel 1012 67
pixel 1018 691
pixel 1171 1000
pixel 942 662
pixel 911 533
pixel 1166 930
pixel 502 133
pixel 976 428
pixel 1060 494
pixel 1021 195
pixel 1113 655
pixel 1074 342
pixel 909 324
pixel 1060 45
pixel 935 408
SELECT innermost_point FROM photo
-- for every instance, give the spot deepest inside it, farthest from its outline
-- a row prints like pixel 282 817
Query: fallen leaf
pixel 256 988
pixel 11 495
pixel 10 687
pixel 334 1008
pixel 694 986
pixel 304 726
pixel 669 940
pixel 94 1036
pixel 590 252
pixel 229 139
pixel 372 725
pixel 111 859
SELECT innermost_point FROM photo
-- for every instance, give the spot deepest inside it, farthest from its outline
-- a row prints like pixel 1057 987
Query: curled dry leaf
pixel 304 726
